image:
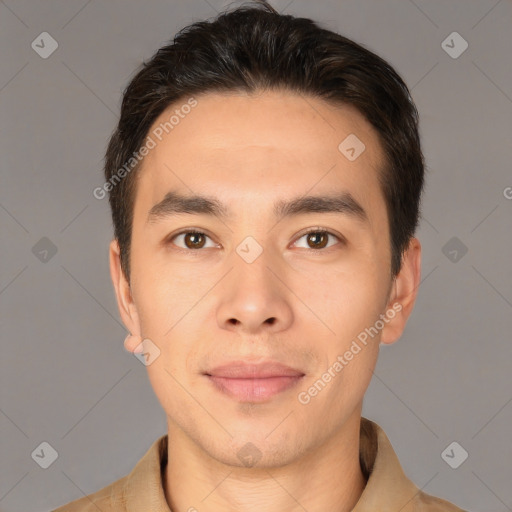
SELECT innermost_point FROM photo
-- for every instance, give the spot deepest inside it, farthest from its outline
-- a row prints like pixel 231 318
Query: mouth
pixel 253 382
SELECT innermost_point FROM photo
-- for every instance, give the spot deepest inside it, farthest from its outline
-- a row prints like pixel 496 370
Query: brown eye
pixel 190 240
pixel 318 239
pixel 194 240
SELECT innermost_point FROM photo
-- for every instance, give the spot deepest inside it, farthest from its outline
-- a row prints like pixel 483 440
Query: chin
pixel 250 453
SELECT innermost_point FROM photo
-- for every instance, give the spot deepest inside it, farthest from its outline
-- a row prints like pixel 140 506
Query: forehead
pixel 260 147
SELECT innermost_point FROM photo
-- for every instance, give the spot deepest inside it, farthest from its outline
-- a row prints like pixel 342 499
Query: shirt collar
pixel 387 488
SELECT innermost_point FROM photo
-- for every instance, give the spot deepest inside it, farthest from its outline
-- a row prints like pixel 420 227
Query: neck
pixel 326 477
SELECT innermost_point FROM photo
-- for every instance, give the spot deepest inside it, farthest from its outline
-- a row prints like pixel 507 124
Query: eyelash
pixel 316 229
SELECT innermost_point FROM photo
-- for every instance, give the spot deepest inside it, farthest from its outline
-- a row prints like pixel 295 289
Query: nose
pixel 255 298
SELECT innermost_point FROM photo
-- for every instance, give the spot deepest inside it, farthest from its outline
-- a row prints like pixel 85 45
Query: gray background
pixel 65 377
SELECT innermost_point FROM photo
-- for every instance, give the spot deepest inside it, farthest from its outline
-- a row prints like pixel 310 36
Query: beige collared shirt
pixel 387 488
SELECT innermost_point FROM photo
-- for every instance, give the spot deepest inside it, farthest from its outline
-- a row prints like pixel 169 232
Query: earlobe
pixel 404 292
pixel 125 303
pixel 133 343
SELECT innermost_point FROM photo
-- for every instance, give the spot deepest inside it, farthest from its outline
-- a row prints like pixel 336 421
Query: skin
pixel 249 151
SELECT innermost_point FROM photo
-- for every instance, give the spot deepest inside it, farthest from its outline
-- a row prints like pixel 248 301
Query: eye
pixel 317 238
pixel 193 239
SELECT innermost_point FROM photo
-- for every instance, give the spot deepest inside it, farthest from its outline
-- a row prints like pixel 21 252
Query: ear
pixel 125 303
pixel 403 293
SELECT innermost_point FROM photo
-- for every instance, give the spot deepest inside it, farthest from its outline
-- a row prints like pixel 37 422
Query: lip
pixel 248 370
pixel 249 382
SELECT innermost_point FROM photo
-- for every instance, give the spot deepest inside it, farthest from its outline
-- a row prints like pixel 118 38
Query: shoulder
pixel 387 484
pixel 141 489
pixel 108 499
pixel 427 503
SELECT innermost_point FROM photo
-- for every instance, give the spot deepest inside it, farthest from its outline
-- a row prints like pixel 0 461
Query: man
pixel 265 181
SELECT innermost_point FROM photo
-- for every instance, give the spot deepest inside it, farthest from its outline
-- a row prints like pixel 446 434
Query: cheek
pixel 162 295
pixel 168 308
pixel 347 300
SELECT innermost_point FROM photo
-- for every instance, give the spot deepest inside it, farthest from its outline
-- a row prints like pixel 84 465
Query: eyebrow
pixel 174 203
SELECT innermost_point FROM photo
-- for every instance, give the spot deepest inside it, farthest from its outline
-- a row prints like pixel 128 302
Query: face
pixel 268 277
